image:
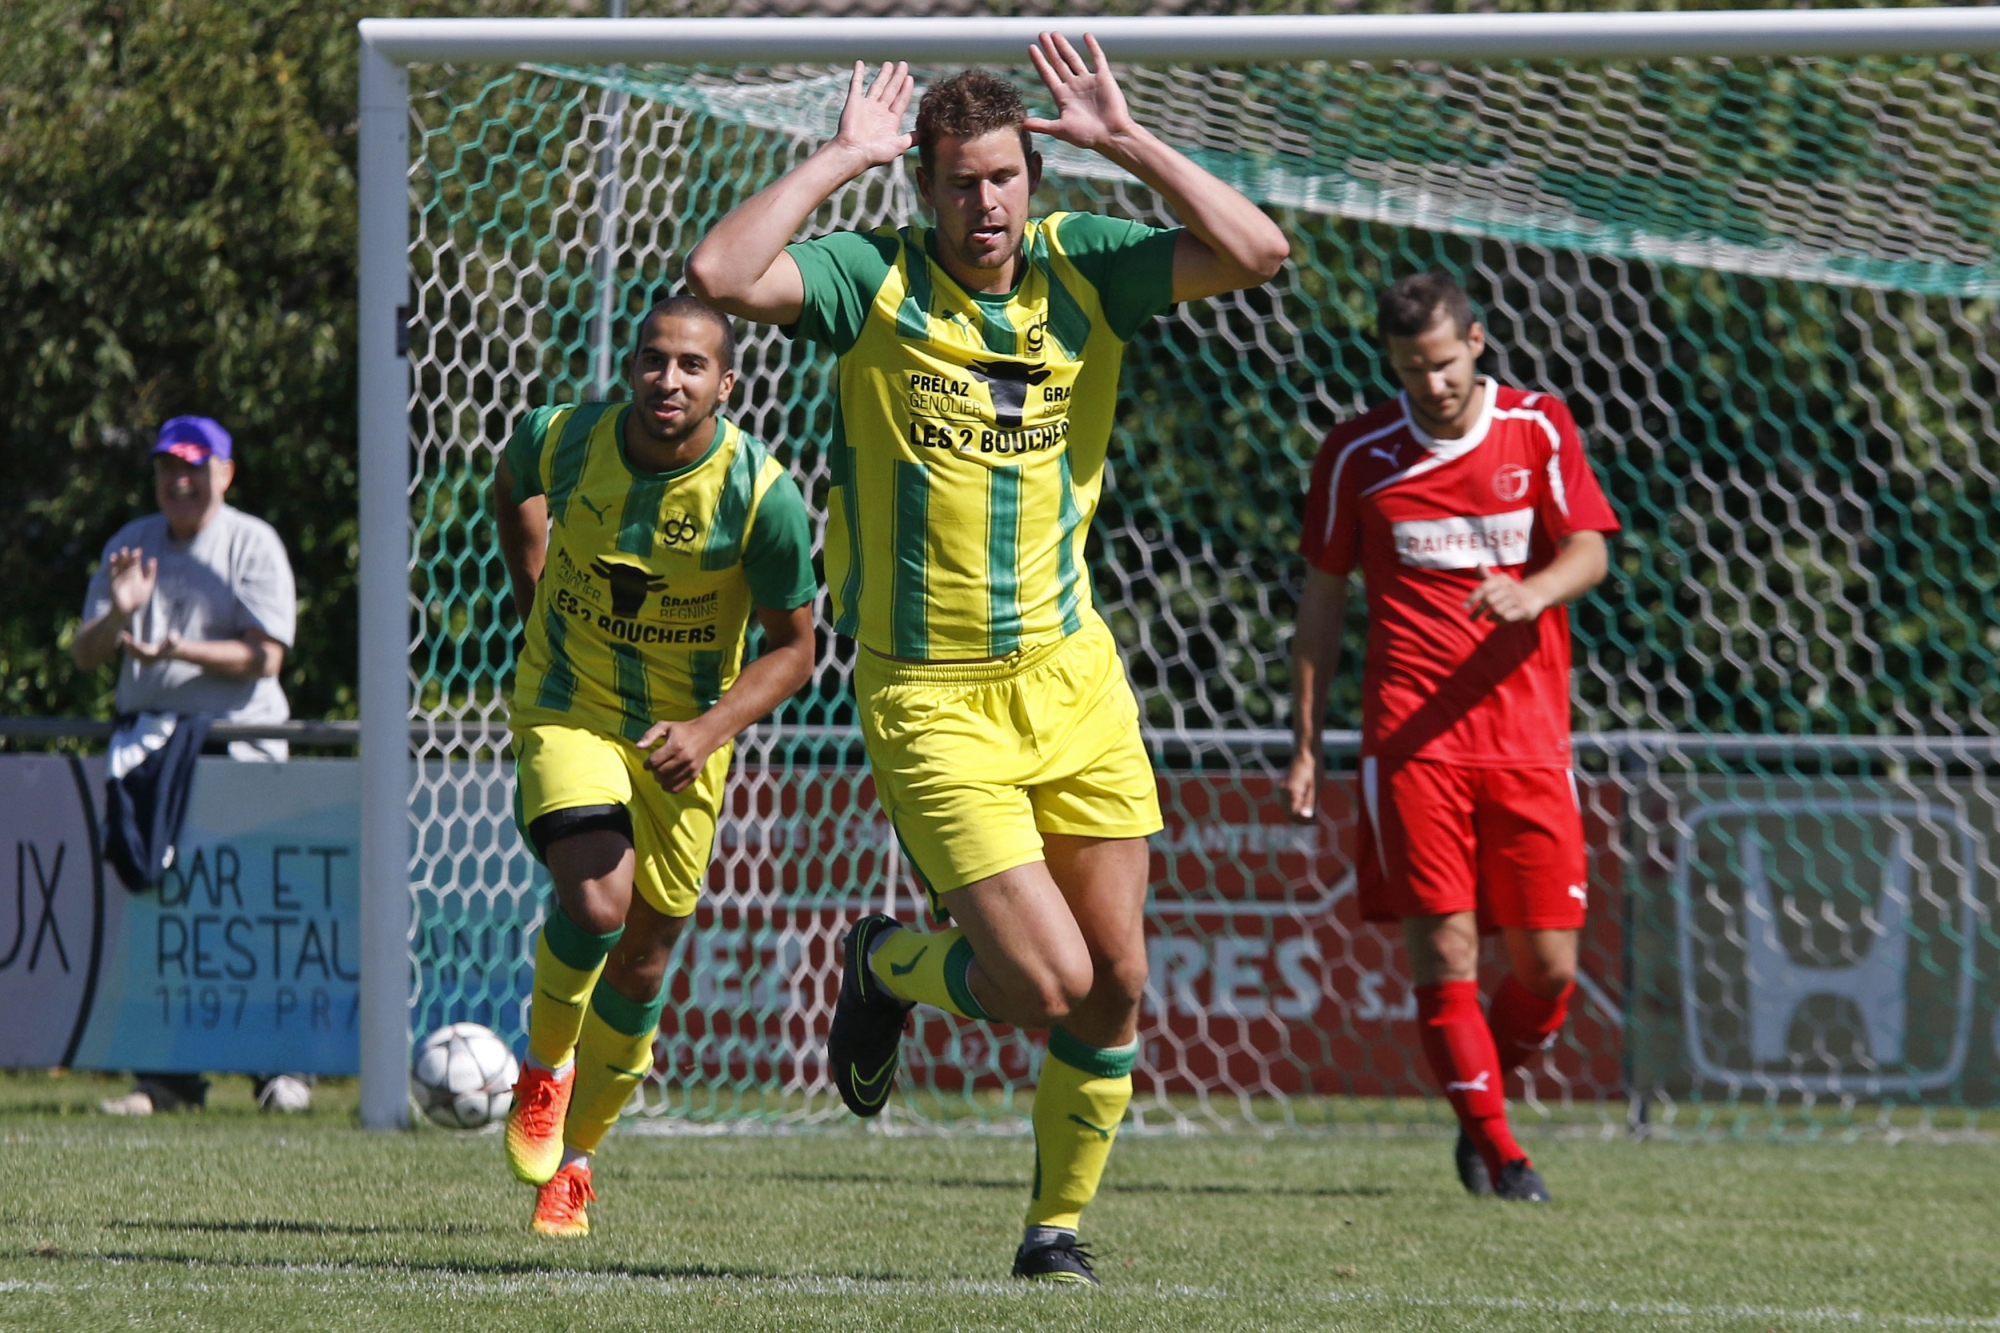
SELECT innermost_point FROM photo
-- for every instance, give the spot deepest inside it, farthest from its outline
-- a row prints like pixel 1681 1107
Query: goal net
pixel 1766 288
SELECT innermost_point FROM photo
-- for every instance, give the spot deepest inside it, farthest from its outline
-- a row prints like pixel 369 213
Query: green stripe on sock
pixel 956 964
pixel 628 1016
pixel 572 944
pixel 635 697
pixel 1003 559
pixel 1098 1062
pixel 909 628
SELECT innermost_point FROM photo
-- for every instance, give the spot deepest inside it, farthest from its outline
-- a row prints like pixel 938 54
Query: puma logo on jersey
pixel 1576 891
pixel 1471 1085
pixel 596 513
pixel 1387 455
pixel 1008 382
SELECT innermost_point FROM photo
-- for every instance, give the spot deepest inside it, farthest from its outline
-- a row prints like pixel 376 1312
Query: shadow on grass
pixel 1116 1186
pixel 448 1267
pixel 281 1227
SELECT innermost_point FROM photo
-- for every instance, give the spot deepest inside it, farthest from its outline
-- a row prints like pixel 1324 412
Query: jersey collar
pixel 723 426
pixel 1443 451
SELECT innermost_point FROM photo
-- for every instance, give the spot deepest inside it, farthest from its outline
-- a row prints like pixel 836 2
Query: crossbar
pixel 1197 40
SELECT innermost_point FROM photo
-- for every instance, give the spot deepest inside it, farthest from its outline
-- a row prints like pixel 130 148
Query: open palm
pixel 872 120
pixel 1090 108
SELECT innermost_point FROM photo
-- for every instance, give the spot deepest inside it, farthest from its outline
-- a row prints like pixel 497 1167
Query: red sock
pixel 1524 1023
pixel 1459 1046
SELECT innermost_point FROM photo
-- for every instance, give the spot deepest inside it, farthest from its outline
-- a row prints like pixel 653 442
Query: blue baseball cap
pixel 193 439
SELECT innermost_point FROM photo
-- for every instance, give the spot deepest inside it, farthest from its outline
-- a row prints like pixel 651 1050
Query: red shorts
pixel 1506 843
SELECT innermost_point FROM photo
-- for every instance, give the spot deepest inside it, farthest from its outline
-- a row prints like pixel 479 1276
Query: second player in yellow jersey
pixel 642 538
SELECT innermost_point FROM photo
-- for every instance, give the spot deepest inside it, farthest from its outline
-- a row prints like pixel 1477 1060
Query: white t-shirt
pixel 232 576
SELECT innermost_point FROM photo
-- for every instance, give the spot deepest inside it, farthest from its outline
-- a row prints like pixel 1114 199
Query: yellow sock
pixel 1079 1104
pixel 568 959
pixel 928 967
pixel 615 1053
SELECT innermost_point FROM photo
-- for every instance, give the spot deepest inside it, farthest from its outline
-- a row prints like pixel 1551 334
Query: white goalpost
pixel 1724 700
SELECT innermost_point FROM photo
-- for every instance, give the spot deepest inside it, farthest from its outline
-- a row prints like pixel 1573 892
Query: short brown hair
pixel 1409 306
pixel 970 103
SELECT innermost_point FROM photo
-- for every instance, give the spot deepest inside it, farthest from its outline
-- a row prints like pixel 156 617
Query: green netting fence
pixel 1766 289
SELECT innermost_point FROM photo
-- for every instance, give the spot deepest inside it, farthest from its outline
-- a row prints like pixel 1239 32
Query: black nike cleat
pixel 1061 1260
pixel 863 1044
pixel 1521 1183
pixel 1472 1172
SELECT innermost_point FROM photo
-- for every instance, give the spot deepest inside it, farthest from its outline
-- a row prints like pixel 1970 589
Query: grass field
pixel 231 1220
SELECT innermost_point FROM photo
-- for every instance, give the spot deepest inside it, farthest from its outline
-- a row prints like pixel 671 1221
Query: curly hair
pixel 970 103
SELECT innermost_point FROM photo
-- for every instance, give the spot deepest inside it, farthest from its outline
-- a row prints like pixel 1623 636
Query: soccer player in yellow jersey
pixel 641 537
pixel 978 376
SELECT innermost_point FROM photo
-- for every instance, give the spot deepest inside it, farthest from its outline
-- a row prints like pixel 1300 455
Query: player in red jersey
pixel 1473 517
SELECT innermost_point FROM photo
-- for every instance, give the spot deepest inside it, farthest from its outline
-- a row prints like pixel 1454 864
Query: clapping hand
pixel 1090 109
pixel 871 123
pixel 133 578
pixel 165 650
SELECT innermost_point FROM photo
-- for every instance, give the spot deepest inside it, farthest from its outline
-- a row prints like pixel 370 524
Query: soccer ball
pixel 463 1076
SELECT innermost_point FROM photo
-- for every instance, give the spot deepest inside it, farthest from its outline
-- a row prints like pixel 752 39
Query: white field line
pixel 570 1280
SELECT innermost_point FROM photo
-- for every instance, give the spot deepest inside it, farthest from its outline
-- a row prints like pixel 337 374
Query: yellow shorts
pixel 673 833
pixel 973 762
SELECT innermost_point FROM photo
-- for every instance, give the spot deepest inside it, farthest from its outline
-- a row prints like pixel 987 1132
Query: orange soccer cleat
pixel 535 1122
pixel 559 1208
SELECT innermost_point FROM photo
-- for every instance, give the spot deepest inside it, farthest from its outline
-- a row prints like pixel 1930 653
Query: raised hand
pixel 872 121
pixel 133 578
pixel 1090 110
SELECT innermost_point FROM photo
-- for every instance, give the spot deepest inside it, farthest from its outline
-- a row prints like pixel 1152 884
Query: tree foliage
pixel 177 234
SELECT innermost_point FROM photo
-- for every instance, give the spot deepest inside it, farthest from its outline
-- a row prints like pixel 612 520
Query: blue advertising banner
pixel 244 959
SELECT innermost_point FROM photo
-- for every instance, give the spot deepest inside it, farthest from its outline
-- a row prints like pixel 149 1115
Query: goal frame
pixel 390 46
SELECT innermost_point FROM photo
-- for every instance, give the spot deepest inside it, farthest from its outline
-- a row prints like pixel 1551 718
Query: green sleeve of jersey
pixel 777 553
pixel 842 270
pixel 1130 264
pixel 524 452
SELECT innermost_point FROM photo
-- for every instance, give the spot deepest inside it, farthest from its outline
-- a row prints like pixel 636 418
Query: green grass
pixel 228 1219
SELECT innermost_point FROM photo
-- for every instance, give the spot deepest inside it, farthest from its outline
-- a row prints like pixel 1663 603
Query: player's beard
pixel 964 254
pixel 674 436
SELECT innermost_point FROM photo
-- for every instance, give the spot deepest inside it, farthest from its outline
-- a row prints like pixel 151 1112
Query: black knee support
pixel 556 825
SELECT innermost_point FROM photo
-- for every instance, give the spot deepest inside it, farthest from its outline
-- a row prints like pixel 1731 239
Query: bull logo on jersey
pixel 630 586
pixel 1008 382
pixel 1510 481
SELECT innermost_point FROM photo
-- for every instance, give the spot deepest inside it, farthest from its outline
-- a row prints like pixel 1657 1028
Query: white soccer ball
pixel 463 1076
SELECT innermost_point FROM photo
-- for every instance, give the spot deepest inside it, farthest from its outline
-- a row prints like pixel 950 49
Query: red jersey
pixel 1421 517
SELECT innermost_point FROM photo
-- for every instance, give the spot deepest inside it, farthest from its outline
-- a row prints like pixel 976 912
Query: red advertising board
pixel 1263 977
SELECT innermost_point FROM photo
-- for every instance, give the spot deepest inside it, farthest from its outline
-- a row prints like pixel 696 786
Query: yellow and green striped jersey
pixel 641 610
pixel 969 441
